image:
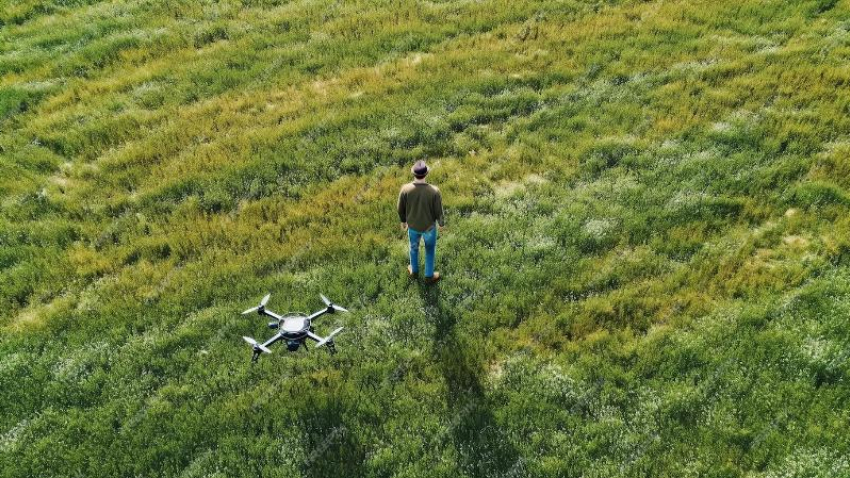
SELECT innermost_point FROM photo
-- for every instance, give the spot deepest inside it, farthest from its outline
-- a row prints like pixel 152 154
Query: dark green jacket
pixel 420 205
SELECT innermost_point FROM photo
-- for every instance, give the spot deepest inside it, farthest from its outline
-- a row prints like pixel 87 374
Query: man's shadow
pixel 482 444
pixel 332 448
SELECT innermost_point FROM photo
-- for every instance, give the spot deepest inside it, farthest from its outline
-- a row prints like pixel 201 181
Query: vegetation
pixel 646 264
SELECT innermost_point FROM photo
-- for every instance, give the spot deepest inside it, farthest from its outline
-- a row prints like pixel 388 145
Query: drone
pixel 293 327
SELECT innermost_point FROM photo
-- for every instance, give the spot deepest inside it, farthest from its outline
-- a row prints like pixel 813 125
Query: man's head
pixel 419 169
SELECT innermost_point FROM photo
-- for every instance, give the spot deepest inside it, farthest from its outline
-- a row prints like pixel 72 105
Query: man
pixel 420 206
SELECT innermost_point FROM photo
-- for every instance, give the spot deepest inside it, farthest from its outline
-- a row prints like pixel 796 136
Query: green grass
pixel 647 264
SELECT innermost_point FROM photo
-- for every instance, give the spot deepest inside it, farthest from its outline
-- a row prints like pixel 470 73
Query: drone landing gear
pixel 256 356
pixel 331 347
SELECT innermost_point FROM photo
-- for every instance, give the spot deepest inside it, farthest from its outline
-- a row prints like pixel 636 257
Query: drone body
pixel 293 328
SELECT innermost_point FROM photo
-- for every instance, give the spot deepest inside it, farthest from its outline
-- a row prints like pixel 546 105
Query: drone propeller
pixel 331 305
pixel 257 345
pixel 329 339
pixel 260 307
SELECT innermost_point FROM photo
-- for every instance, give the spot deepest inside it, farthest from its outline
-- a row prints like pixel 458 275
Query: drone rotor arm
pixel 270 341
pixel 317 314
pixel 272 314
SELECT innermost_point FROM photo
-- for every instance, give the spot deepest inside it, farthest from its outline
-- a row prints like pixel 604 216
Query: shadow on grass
pixel 483 447
pixel 332 444
pixel 332 449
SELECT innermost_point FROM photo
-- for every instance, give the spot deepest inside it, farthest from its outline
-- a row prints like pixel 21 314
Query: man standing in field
pixel 420 206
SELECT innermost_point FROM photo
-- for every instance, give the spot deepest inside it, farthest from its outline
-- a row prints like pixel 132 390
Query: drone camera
pixel 274 324
pixel 292 345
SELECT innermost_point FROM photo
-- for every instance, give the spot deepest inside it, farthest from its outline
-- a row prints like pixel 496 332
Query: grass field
pixel 646 265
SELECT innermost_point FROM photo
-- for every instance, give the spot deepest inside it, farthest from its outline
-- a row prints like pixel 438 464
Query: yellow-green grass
pixel 645 265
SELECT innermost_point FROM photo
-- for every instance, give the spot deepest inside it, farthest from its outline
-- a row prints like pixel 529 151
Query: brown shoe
pixel 410 272
pixel 434 278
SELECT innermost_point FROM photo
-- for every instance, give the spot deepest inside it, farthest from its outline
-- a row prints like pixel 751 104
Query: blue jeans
pixel 430 240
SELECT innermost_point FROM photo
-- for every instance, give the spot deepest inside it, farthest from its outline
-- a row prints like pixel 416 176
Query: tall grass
pixel 645 265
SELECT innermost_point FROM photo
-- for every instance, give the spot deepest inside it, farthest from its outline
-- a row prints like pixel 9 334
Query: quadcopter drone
pixel 293 327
